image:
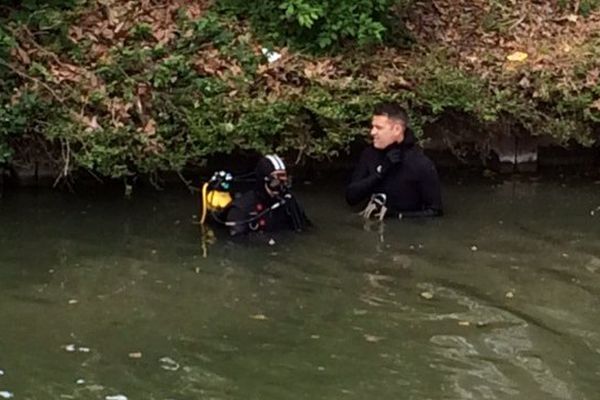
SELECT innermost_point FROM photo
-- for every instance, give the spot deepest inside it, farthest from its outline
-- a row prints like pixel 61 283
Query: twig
pixel 31 78
pixel 153 179
pixel 186 182
pixel 96 177
pixel 437 8
pixel 66 154
pixel 68 161
pixel 35 44
pixel 517 23
pixel 300 154
pixel 43 145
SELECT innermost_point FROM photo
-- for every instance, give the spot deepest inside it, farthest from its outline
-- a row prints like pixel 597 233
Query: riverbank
pixel 578 163
pixel 126 89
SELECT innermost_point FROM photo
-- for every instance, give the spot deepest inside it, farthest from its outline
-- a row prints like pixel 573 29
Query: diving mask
pixel 278 181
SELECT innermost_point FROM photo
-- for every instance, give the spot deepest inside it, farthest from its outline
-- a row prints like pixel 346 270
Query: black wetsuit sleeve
pixel 430 192
pixel 363 182
pixel 236 214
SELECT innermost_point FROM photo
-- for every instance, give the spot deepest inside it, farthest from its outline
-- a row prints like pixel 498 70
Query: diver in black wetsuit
pixel 270 206
pixel 394 174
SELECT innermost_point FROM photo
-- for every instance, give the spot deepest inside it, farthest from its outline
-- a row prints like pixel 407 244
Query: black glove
pixel 392 157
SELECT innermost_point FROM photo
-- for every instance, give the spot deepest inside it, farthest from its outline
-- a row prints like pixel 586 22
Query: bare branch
pixel 31 78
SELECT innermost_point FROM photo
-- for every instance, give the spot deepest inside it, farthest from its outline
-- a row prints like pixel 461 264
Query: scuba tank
pixel 216 195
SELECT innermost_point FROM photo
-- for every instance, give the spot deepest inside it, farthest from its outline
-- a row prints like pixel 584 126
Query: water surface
pixel 102 296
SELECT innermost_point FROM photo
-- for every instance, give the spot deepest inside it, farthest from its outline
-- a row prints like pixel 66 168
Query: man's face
pixel 277 183
pixel 385 131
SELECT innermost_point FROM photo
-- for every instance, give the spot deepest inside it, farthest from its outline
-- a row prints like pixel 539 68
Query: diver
pixel 270 206
pixel 395 176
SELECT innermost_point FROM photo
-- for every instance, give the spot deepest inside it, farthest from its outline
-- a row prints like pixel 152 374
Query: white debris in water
pixel 372 338
pixel 259 317
pixel 80 381
pixel 73 301
pixel 71 348
pixel 271 242
pixel 169 364
pixel 474 248
pixel 1 372
pixel 116 397
pixel 6 394
pixel 510 295
pixel 427 295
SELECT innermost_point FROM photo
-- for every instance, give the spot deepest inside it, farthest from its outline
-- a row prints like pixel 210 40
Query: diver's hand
pixel 392 157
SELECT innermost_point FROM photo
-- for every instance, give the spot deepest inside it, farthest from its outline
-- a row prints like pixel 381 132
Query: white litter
pixel 169 364
pixel 6 394
pixel 271 55
pixel 70 348
pixel 116 397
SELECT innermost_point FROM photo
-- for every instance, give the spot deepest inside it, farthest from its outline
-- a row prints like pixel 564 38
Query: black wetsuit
pixel 412 186
pixel 248 211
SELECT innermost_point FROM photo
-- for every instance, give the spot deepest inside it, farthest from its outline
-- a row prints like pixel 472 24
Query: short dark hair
pixel 391 110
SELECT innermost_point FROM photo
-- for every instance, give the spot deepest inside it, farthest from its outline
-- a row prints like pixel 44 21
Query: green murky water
pixel 101 296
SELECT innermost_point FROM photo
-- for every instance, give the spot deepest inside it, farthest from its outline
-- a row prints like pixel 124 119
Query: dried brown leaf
pixel 150 127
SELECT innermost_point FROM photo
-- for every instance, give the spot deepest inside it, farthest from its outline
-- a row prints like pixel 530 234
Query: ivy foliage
pixel 317 25
pixel 175 88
